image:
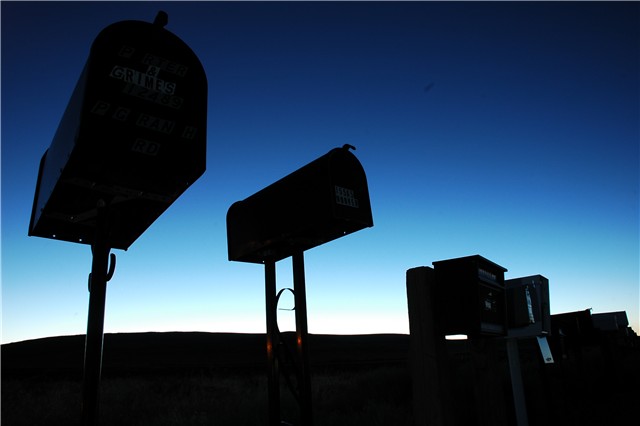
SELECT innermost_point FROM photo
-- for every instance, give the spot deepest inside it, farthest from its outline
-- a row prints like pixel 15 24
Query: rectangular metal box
pixel 324 200
pixel 528 307
pixel 133 134
pixel 610 321
pixel 470 296
pixel 576 326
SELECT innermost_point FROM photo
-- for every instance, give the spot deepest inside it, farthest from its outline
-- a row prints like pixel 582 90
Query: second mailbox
pixel 471 296
pixel 528 306
pixel 324 200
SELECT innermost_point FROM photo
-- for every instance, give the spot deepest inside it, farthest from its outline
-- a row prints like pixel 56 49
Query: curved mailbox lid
pixel 324 200
pixel 133 133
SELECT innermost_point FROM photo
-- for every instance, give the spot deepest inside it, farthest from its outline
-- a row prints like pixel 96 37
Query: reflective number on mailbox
pixel 346 197
pixel 146 147
pixel 148 81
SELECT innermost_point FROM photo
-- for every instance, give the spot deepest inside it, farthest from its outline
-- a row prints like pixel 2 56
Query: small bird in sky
pixel 428 87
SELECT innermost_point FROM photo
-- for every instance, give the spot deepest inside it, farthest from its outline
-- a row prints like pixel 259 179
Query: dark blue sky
pixel 509 130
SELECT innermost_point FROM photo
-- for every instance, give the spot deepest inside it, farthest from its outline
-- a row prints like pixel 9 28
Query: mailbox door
pixel 349 191
pixel 144 116
pixel 133 134
pixel 491 309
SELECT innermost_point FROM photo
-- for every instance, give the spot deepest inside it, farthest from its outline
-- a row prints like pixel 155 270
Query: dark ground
pixel 150 353
pixel 220 379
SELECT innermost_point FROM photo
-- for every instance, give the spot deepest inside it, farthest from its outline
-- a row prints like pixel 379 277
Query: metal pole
pixel 95 321
pixel 272 343
pixel 302 337
pixel 516 382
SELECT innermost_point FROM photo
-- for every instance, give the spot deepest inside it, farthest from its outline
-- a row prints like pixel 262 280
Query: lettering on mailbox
pixel 487 275
pixel 148 81
pixel 172 101
pixel 146 147
pixel 155 123
pixel 165 64
pixel 101 107
pixel 346 197
pixel 126 51
pixel 189 132
pixel 121 113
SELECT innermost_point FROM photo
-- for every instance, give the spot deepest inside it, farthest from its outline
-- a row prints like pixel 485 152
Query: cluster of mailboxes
pixel 320 202
pixel 133 138
pixel 473 298
pixel 133 135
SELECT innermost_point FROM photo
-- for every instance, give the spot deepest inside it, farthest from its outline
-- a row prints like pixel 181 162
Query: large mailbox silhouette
pixel 471 296
pixel 133 135
pixel 528 307
pixel 324 200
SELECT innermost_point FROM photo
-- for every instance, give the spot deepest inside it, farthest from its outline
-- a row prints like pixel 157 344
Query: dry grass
pixel 178 379
pixel 375 396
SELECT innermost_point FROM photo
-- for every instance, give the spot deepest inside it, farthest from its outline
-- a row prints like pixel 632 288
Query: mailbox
pixel 528 309
pixel 470 296
pixel 322 201
pixel 576 327
pixel 133 135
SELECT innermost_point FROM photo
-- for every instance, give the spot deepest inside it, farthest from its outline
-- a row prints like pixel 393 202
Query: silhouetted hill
pixel 179 351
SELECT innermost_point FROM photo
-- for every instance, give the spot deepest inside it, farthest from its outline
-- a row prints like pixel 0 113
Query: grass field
pixel 372 396
pixel 202 385
pixel 205 379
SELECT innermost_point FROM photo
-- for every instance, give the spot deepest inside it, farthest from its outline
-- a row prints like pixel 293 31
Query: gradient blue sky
pixel 524 149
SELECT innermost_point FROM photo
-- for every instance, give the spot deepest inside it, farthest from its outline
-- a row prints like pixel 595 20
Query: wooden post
pixel 487 384
pixel 428 353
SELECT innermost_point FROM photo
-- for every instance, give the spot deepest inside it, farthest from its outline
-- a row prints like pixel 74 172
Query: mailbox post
pixel 529 315
pixel 101 272
pixel 132 139
pixel 320 202
pixel 273 342
pixel 458 296
pixel 302 336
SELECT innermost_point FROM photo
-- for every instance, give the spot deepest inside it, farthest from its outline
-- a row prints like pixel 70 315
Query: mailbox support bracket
pixel 101 273
pixel 273 342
